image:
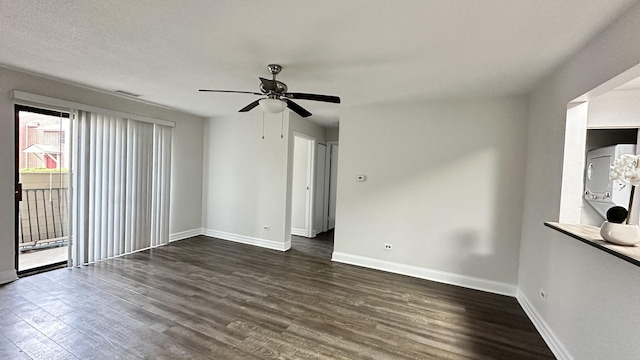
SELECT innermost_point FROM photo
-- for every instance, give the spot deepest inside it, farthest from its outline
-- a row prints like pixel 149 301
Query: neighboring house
pixel 48 156
pixel 42 141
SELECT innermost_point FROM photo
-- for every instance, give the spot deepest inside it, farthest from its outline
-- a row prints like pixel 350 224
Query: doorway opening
pixel 313 197
pixel 42 188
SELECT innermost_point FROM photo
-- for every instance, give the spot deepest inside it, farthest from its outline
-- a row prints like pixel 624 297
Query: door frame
pixel 16 182
pixel 310 201
pixel 17 107
pixel 320 189
pixel 327 185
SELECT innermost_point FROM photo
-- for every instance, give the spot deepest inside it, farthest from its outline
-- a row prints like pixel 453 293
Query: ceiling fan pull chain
pixel 282 125
pixel 263 125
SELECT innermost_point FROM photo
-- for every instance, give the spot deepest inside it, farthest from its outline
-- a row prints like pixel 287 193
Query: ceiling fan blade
pixel 231 91
pixel 314 97
pixel 297 108
pixel 268 84
pixel 250 106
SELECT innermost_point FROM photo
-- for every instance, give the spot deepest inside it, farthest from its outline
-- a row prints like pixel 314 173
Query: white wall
pixel 333 134
pixel 619 109
pixel 186 178
pixel 591 311
pixel 306 127
pixel 248 180
pixel 444 186
pixel 245 179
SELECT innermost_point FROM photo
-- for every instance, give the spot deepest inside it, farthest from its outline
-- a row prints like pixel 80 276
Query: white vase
pixel 620 234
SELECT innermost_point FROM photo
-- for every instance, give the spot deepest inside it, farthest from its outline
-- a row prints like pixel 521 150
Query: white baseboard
pixel 8 276
pixel 298 232
pixel 269 244
pixel 545 331
pixel 427 274
pixel 185 234
pixel 302 232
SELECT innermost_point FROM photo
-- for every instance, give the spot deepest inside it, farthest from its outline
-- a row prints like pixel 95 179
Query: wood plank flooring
pixel 204 298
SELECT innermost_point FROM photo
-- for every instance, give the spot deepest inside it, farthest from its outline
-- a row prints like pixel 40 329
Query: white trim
pixel 46 100
pixel 320 165
pixel 8 276
pixel 327 186
pixel 427 274
pixel 298 232
pixel 325 196
pixel 185 234
pixel 545 331
pixel 269 244
pixel 309 198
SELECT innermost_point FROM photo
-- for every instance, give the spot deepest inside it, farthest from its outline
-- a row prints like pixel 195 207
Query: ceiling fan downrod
pixel 274 69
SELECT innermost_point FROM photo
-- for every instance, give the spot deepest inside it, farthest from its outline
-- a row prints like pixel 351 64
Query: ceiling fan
pixel 277 98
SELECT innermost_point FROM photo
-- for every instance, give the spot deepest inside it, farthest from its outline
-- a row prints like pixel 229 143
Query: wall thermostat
pixel 361 178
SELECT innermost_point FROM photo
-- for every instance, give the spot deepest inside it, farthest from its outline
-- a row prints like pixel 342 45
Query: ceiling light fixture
pixel 274 106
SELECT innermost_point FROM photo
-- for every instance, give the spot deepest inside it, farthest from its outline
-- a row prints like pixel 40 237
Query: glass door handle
pixel 18 192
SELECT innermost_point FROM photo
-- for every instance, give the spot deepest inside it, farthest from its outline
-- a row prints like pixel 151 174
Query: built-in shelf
pixel 590 235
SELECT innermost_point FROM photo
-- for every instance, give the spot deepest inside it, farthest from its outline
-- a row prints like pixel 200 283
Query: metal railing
pixel 43 218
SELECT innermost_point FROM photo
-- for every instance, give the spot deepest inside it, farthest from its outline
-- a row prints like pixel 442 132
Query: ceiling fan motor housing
pixel 281 88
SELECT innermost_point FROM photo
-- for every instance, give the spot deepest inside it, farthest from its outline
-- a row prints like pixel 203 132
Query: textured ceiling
pixel 364 51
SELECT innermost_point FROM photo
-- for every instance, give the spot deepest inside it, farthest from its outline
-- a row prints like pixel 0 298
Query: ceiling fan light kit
pixel 277 97
pixel 273 106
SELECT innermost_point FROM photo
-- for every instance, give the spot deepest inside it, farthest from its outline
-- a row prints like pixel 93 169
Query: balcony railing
pixel 43 218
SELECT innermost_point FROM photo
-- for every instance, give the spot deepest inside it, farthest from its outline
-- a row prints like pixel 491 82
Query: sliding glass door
pixel 105 196
pixel 42 188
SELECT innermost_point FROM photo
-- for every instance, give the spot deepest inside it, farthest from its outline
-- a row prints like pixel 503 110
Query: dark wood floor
pixel 204 298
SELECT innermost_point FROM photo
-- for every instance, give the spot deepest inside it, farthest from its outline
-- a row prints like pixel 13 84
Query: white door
pixel 302 186
pixel 333 181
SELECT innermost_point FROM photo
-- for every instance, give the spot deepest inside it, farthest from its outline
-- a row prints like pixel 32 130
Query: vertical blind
pixel 120 184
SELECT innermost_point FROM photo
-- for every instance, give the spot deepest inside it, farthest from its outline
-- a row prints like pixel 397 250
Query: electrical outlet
pixel 388 247
pixel 266 227
pixel 543 294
